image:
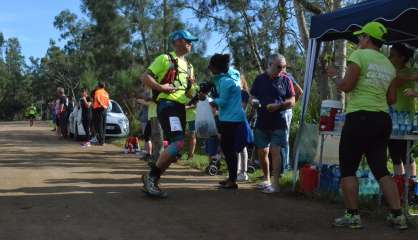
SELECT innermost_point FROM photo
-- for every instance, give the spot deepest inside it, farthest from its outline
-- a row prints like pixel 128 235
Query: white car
pixel 117 124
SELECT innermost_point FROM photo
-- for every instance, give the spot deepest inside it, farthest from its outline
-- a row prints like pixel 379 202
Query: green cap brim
pixel 358 32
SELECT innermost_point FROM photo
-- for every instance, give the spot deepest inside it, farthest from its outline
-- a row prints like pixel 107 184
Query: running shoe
pixel 269 189
pixel 398 222
pixel 242 177
pixel 151 187
pixel 348 221
pixel 262 185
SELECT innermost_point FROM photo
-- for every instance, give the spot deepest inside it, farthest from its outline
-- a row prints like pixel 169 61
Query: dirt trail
pixel 53 189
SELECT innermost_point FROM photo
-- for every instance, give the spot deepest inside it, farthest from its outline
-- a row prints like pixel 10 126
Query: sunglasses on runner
pixel 361 36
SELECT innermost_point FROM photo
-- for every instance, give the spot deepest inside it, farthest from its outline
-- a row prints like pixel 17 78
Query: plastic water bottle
pixel 395 126
pixel 408 122
pixel 415 128
pixel 401 123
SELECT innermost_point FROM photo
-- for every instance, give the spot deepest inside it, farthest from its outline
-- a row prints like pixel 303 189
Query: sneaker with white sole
pixel 269 189
pixel 262 185
pixel 349 221
pixel 398 222
pixel 151 187
pixel 242 177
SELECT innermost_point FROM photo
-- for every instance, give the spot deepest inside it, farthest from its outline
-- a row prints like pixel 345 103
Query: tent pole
pixel 310 60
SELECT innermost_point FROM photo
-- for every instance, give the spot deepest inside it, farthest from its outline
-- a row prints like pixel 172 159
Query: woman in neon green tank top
pixel 369 85
pixel 400 56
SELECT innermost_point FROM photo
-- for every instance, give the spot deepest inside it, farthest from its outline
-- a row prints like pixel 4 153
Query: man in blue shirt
pixel 275 92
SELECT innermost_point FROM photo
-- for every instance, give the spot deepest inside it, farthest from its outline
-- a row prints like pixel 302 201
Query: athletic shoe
pixel 398 222
pixel 242 177
pixel 86 144
pixel 151 187
pixel 262 185
pixel 349 221
pixel 93 140
pixel 223 182
pixel 229 186
pixel 269 190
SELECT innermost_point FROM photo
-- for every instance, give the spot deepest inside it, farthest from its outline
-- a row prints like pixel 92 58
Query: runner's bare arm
pixel 404 77
pixel 143 101
pixel 391 94
pixel 349 82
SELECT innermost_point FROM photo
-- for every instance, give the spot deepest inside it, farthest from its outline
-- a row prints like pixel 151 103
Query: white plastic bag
pixel 205 121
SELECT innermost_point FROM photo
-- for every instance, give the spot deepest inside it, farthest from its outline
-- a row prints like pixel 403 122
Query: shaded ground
pixel 53 189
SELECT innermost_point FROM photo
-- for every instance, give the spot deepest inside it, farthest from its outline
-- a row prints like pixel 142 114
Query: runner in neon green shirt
pixel 171 101
pixel 400 55
pixel 369 82
pixel 405 103
pixel 376 74
pixel 31 113
pixel 159 68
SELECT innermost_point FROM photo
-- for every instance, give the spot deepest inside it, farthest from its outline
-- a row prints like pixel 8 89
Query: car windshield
pixel 115 108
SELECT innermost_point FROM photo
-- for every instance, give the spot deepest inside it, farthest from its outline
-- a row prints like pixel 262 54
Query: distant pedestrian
pixel 62 112
pixel 100 106
pixel 86 115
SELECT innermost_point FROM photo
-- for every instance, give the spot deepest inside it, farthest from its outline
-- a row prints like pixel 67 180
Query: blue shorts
pixel 212 146
pixel 265 138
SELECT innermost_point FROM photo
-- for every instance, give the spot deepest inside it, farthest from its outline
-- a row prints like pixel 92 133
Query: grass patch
pixel 198 162
pixel 119 142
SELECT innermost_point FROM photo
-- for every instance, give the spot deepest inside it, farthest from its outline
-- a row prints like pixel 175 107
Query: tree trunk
pixel 250 36
pixel 140 6
pixel 311 7
pixel 165 28
pixel 282 25
pixel 303 28
pixel 322 79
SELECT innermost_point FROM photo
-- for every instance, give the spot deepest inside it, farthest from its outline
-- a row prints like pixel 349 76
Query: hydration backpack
pixel 171 76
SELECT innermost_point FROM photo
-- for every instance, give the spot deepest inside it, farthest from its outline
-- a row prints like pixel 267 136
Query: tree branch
pixel 310 6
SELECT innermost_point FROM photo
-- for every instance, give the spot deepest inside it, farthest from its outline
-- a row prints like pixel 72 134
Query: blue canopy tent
pixel 399 16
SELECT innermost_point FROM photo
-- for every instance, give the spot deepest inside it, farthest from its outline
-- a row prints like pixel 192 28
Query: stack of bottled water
pixel 368 186
pixel 330 178
pixel 403 123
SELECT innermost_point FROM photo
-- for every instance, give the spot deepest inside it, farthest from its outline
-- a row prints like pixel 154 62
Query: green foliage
pixel 14 85
pixel 116 40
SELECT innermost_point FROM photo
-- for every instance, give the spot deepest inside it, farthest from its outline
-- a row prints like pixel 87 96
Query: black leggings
pixel 100 124
pixel 228 132
pixel 397 151
pixel 86 125
pixel 365 133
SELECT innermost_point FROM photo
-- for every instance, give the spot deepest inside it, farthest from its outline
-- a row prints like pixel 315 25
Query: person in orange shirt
pixel 100 106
